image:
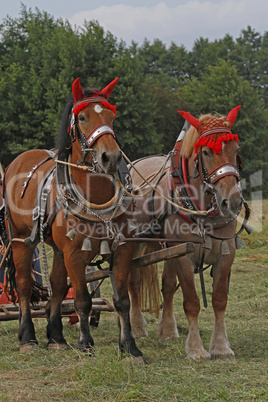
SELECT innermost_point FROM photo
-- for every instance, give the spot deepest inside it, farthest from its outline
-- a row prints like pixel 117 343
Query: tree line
pixel 41 56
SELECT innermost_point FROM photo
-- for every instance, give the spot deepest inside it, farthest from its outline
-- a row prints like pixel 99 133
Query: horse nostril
pixel 110 161
pixel 224 206
pixel 105 158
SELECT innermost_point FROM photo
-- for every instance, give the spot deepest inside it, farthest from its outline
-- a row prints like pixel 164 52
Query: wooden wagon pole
pixel 147 259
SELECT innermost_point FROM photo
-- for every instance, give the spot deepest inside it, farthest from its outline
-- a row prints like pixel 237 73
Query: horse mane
pixel 64 143
pixel 191 135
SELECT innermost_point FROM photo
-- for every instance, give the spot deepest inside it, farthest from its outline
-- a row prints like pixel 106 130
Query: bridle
pixel 225 169
pixel 86 141
pixel 208 180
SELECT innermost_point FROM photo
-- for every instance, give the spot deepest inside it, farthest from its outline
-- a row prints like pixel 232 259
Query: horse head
pixel 92 135
pixel 214 148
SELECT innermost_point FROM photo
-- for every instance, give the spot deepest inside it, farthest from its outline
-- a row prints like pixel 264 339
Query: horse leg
pixel 219 344
pixel 167 328
pixel 194 347
pixel 138 323
pixel 121 269
pixel 82 299
pixel 58 280
pixel 23 256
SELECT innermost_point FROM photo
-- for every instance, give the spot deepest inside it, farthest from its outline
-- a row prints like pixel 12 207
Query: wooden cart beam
pixel 147 259
pixel 10 312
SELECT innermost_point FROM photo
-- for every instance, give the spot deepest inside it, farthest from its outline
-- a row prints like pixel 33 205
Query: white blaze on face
pixel 98 109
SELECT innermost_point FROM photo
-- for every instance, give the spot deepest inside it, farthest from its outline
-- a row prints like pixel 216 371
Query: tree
pixel 134 124
pixel 33 84
pixel 263 71
pixel 206 54
pixel 245 55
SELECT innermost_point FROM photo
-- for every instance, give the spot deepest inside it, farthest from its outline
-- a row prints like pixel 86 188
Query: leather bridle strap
pixel 98 132
pixel 87 142
pixel 226 169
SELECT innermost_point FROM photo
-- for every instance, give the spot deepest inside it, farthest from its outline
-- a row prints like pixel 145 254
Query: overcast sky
pixel 181 21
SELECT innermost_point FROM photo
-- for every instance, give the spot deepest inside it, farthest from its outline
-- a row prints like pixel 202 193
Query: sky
pixel 180 21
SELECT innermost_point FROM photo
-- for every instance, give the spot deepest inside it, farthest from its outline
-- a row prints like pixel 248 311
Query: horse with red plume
pixel 69 199
pixel 202 184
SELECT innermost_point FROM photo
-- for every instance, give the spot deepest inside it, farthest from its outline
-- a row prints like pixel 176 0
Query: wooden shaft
pixel 147 259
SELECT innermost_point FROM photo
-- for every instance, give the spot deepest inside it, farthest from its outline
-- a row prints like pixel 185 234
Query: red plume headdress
pixel 81 101
pixel 213 133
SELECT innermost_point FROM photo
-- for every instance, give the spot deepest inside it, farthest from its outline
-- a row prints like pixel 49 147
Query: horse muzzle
pixel 107 153
pixel 225 180
pixel 229 198
pixel 230 207
pixel 110 161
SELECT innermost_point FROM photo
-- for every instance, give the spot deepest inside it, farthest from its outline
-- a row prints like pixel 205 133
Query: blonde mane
pixel 191 136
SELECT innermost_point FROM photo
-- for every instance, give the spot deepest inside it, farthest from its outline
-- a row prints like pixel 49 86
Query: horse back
pixel 21 181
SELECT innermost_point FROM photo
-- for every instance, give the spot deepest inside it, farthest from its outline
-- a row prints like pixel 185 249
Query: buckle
pixel 36 213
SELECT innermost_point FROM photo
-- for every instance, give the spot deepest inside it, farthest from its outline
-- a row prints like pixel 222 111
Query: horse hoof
pixel 167 335
pixel 223 356
pixel 57 346
pixel 139 333
pixel 28 347
pixel 87 350
pixel 198 354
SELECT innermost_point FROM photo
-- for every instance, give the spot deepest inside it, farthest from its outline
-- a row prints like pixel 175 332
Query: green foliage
pixel 40 57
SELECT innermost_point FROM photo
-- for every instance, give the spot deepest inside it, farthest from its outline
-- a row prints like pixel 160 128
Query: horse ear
pixel 109 89
pixel 77 90
pixel 191 119
pixel 233 114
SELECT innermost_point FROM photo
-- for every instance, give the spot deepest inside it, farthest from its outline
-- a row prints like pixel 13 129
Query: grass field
pixel 168 375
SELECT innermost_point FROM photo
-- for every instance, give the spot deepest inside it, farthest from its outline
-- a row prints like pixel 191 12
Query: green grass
pixel 168 375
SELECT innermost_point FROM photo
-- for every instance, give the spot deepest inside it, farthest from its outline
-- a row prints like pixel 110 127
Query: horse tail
pixel 10 271
pixel 39 292
pixel 8 267
pixel 150 297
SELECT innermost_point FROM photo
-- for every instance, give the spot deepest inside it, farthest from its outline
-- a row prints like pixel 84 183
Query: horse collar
pixel 74 203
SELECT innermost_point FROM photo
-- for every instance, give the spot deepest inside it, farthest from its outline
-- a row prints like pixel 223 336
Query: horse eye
pixel 206 153
pixel 81 118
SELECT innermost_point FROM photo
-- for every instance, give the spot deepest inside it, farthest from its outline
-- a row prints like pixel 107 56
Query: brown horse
pixel 69 199
pixel 203 177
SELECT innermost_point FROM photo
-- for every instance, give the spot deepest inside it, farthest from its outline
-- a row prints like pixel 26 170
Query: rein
pixel 157 191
